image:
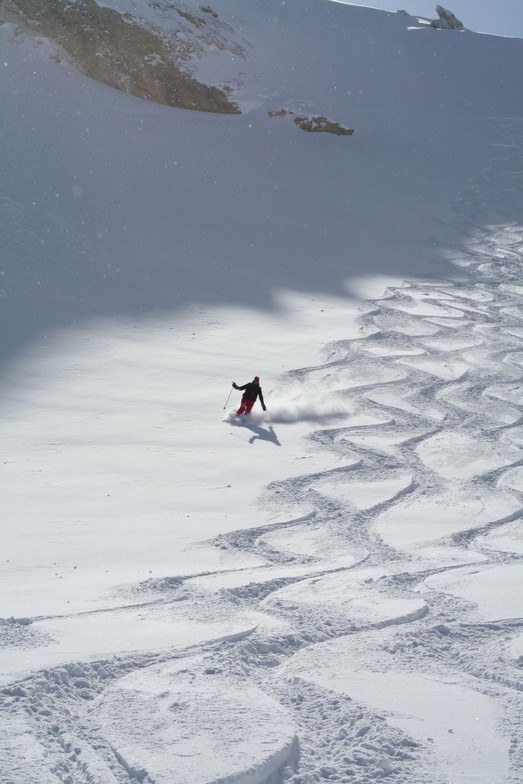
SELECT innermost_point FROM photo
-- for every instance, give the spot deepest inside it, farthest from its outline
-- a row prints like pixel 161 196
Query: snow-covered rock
pixel 209 728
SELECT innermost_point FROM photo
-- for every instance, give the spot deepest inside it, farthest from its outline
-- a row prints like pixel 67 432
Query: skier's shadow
pixel 261 433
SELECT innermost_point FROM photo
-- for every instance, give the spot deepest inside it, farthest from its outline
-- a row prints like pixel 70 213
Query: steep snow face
pixel 326 591
pixel 142 196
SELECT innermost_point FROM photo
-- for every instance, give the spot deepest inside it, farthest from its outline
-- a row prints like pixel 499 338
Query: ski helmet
pixel 256 379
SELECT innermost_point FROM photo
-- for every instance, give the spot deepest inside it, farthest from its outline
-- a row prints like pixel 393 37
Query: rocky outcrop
pixel 314 124
pixel 446 21
pixel 321 124
pixel 127 53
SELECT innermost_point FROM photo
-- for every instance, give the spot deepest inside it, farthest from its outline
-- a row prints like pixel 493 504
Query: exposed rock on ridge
pixel 447 20
pixel 127 53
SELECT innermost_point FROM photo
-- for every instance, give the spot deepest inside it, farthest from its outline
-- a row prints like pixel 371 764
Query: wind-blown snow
pixel 326 591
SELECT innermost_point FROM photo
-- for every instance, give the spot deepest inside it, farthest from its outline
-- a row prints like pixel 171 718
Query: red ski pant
pixel 245 406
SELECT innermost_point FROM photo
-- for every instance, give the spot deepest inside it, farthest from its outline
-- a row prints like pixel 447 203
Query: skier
pixel 252 391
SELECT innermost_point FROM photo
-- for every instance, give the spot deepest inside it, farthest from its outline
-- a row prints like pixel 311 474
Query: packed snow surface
pixel 326 591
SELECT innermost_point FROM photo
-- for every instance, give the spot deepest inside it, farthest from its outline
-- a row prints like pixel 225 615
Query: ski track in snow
pixel 439 372
pixel 459 350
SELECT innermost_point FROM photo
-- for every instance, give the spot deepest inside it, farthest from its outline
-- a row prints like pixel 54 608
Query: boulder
pixel 446 21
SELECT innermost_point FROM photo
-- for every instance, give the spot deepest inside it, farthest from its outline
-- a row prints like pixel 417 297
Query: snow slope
pixel 326 592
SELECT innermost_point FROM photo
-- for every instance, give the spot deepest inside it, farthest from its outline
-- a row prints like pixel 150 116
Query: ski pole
pixel 225 406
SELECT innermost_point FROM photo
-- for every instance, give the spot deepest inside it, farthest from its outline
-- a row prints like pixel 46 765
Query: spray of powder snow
pixel 299 408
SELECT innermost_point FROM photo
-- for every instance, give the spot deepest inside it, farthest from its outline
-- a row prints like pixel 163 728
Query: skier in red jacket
pixel 251 392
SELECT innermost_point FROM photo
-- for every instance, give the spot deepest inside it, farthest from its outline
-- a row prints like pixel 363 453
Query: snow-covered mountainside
pixel 327 591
